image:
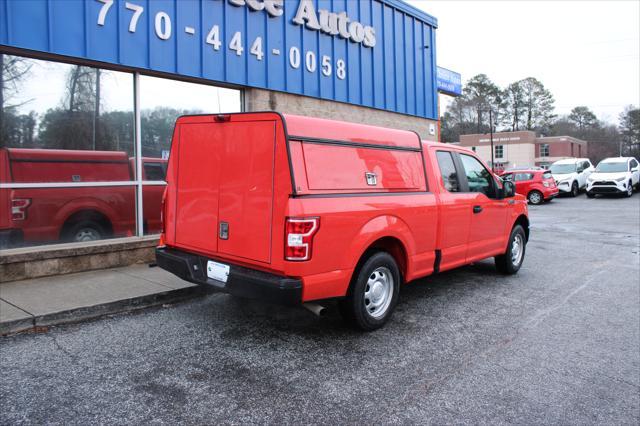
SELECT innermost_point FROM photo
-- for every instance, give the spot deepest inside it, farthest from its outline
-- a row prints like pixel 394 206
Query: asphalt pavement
pixel 559 343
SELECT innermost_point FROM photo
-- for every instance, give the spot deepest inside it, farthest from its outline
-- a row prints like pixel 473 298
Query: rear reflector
pixel 19 208
pixel 299 233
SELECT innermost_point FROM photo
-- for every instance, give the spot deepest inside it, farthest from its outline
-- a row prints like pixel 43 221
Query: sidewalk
pixel 41 302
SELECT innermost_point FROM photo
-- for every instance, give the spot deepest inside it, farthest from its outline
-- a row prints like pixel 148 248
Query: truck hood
pixel 608 176
pixel 559 177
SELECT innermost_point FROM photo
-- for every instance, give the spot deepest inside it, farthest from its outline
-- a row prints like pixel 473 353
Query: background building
pixel 523 149
pixel 113 75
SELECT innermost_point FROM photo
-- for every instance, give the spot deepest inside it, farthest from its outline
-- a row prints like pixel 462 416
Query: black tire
pixel 535 197
pixel 355 309
pixel 629 192
pixel 591 195
pixel 84 230
pixel 505 263
pixel 575 189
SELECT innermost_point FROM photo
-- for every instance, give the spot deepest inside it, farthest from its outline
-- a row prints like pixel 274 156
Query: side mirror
pixel 508 189
pixel 580 170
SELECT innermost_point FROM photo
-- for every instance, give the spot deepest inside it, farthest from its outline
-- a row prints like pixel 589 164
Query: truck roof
pixel 322 129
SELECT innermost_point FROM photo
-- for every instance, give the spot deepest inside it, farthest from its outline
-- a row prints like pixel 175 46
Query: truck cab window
pixel 478 178
pixel 154 171
pixel 448 171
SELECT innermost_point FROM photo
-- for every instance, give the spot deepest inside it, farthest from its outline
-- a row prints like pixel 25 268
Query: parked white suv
pixel 616 175
pixel 571 174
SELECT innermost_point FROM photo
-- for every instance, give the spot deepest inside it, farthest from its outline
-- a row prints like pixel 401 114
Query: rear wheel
pixel 575 190
pixel 85 230
pixel 535 197
pixel 510 262
pixel 373 293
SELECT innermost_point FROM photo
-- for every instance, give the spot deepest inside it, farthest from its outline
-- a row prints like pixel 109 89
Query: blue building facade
pixel 372 53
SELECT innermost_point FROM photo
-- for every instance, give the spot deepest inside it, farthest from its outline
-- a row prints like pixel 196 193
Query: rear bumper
pixel 551 193
pixel 242 282
pixel 10 238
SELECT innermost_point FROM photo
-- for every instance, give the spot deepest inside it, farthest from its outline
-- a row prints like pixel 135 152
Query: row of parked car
pixel 615 175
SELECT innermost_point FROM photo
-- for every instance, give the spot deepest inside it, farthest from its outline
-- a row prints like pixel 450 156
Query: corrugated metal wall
pixel 397 74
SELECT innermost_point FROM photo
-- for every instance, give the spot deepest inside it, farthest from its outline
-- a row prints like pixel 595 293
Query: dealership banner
pixel 376 53
pixel 449 82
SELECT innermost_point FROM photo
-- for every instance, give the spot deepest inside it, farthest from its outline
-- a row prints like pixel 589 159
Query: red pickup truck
pixel 42 215
pixel 295 210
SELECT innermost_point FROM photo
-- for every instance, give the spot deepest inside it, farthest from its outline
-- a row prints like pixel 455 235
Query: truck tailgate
pixel 225 188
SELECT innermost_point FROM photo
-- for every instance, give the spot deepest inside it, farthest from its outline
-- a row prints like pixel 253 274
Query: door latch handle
pixel 224 231
pixel 477 209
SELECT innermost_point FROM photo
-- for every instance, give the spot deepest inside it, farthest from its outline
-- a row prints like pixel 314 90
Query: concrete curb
pixel 91 312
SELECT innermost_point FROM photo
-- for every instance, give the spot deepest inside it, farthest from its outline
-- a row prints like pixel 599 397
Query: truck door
pixel 488 214
pixel 454 213
pixel 225 188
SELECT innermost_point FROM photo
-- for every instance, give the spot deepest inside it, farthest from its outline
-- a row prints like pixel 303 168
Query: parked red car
pixel 537 185
pixel 41 215
pixel 295 209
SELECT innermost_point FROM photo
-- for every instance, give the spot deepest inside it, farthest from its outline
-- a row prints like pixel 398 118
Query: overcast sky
pixel 584 52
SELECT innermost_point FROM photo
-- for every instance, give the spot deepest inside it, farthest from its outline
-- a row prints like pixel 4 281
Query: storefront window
pixel 162 101
pixel 68 170
pixel 49 105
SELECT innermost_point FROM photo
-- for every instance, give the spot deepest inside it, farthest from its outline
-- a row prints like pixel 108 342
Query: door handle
pixel 477 209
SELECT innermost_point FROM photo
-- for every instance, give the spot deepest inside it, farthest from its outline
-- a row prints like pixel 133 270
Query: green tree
pixel 630 130
pixel 538 105
pixel 513 106
pixel 583 117
pixel 481 94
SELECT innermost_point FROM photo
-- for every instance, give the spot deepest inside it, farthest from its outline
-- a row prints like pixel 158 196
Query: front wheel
pixel 535 197
pixel 591 195
pixel 373 293
pixel 510 262
pixel 629 189
pixel 575 189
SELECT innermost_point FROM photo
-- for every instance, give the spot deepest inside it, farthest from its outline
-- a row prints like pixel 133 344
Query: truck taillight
pixel 19 208
pixel 299 233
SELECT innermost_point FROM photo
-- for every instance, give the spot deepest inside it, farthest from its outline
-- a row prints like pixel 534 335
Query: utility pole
pixel 493 169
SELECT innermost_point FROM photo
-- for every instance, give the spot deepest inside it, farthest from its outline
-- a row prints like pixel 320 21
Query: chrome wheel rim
pixel 378 292
pixel 629 189
pixel 517 250
pixel 87 234
pixel 535 198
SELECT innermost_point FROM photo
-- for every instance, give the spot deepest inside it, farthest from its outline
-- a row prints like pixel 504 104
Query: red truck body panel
pixel 365 186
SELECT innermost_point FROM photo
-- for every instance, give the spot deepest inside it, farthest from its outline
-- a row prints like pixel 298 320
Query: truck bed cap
pixel 318 128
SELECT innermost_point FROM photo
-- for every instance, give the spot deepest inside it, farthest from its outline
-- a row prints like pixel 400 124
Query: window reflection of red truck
pixel 72 213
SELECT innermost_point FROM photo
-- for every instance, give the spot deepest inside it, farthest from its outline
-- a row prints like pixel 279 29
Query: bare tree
pixel 13 69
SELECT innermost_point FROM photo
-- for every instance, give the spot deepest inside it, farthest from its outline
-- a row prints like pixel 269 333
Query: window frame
pixel 501 156
pixel 465 182
pixel 544 147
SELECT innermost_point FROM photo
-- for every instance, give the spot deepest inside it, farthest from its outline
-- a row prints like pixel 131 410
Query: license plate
pixel 218 271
